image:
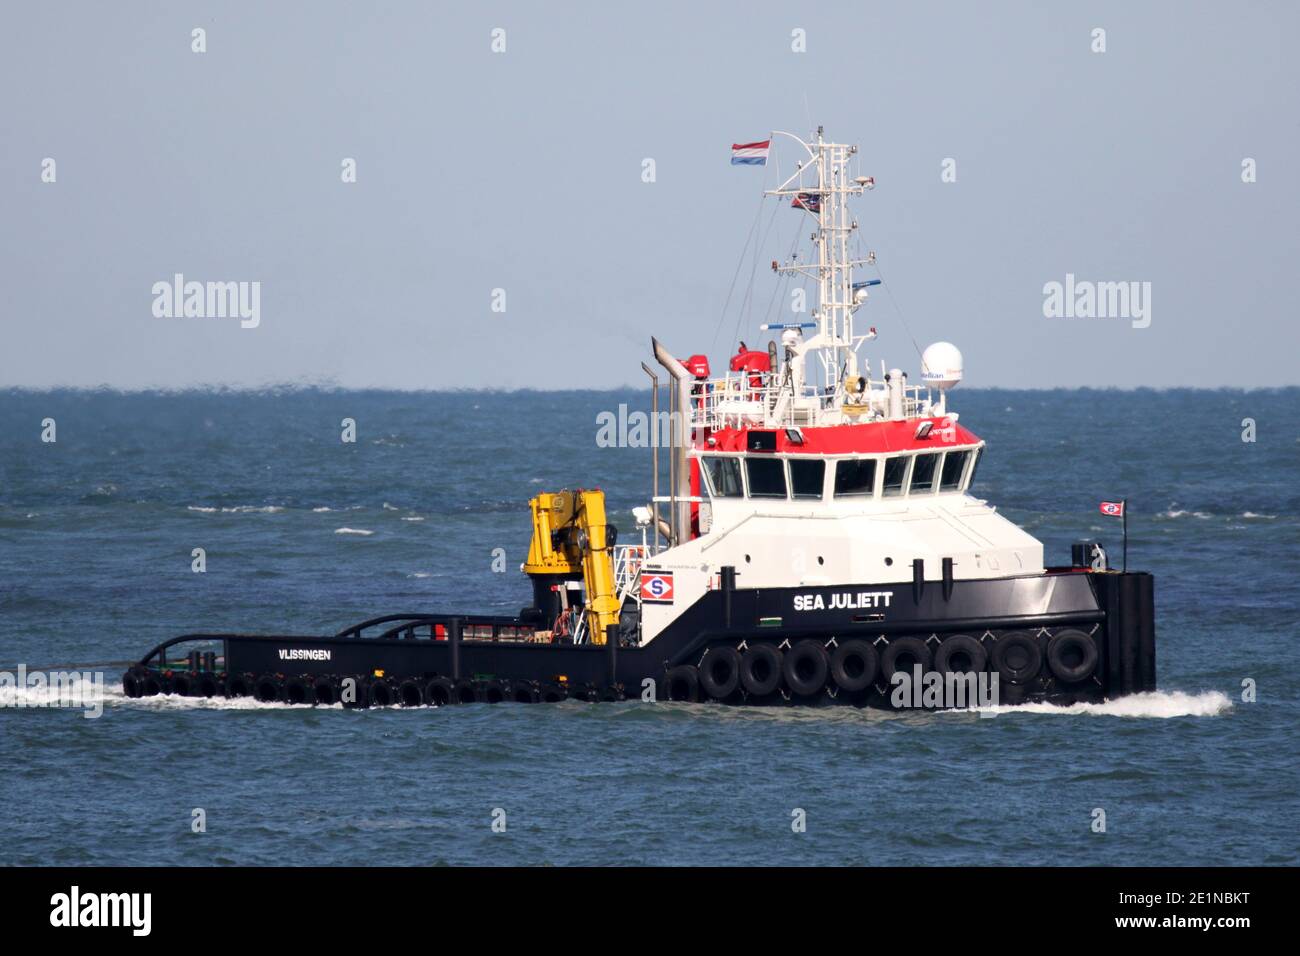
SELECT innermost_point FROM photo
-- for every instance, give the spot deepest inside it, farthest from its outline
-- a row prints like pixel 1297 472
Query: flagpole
pixel 1123 510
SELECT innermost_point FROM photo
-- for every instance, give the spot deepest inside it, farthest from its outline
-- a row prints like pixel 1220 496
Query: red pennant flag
pixel 1113 508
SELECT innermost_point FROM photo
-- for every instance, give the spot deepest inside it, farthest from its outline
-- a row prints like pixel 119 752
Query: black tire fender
pixel 1072 656
pixel 552 692
pixel 325 691
pixel 805 667
pixel 298 691
pixel 410 693
pixel 760 670
pixel 491 691
pixel 854 665
pixel 523 692
pixel 440 692
pixel 904 653
pixel 955 649
pixel 381 693
pixel 682 683
pixel 268 689
pixel 360 692
pixel 720 672
pixel 1017 657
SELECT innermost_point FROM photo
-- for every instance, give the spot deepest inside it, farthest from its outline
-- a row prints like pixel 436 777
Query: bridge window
pixel 923 473
pixel 895 476
pixel 807 477
pixel 975 463
pixel 766 477
pixel 855 476
pixel 954 464
pixel 724 476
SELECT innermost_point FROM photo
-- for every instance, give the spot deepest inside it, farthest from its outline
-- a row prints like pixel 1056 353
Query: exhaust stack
pixel 680 479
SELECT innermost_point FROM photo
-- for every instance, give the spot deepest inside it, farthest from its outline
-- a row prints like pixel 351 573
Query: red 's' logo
pixel 657 586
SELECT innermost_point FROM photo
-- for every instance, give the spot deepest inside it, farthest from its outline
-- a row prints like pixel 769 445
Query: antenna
pixel 838 296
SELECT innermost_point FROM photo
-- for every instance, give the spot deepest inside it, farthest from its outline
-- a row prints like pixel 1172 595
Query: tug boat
pixel 818 544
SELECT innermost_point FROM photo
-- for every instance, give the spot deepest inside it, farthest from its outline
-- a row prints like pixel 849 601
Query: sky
pixel 522 171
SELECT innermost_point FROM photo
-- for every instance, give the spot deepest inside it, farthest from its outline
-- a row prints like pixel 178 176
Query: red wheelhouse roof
pixel 873 438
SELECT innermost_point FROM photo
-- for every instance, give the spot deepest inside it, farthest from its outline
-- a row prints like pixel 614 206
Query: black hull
pixel 450 658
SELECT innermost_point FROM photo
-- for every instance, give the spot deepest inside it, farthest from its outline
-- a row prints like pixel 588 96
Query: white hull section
pixel 789 545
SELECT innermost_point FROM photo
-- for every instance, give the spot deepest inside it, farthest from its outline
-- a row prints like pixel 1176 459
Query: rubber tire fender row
pixel 240 685
pixel 1072 656
pixel 553 692
pixel 151 685
pixel 854 665
pixel 465 692
pixel 325 691
pixel 206 685
pixel 180 685
pixel 133 683
pixel 491 691
pixel 805 667
pixel 1017 657
pixel 268 689
pixel 381 692
pixel 523 692
pixel 297 690
pixel 360 692
pixel 955 647
pixel 682 683
pixel 720 672
pixel 760 670
pixel 440 692
pixel 913 648
pixel 410 693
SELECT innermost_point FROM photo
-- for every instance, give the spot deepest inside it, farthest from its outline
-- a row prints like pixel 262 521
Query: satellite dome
pixel 941 365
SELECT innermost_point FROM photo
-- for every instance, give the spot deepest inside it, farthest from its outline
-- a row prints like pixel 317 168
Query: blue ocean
pixel 304 533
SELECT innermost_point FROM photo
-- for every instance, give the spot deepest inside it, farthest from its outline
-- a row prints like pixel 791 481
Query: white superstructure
pixel 799 469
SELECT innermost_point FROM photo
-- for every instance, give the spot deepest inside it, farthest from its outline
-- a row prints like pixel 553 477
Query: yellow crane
pixel 571 537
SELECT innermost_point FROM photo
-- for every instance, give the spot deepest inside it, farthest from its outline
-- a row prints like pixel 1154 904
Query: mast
pixel 833 273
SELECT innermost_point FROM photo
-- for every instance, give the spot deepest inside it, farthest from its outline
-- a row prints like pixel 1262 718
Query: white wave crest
pixel 71 689
pixel 360 531
pixel 1159 704
pixel 238 509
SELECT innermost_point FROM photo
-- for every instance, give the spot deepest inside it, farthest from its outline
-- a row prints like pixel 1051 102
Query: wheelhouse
pixel 848 478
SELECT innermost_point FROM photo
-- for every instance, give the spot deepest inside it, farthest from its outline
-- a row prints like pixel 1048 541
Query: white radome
pixel 941 365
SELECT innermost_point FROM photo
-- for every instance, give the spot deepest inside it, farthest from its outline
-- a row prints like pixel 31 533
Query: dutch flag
pixel 750 154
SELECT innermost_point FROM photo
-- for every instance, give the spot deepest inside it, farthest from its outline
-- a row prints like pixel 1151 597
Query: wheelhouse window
pixel 724 476
pixel 766 477
pixel 975 463
pixel 807 477
pixel 855 476
pixel 895 476
pixel 923 469
pixel 954 464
